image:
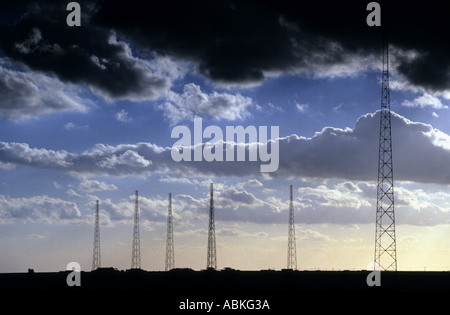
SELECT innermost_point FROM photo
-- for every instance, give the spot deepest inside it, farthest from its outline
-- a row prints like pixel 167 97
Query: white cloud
pixel 312 235
pixel 269 191
pixel 352 153
pixel 36 236
pixel 100 160
pixel 397 84
pixel 122 116
pixel 338 197
pixel 345 202
pixel 336 204
pixel 426 100
pixel 169 67
pixel 339 205
pixel 7 166
pixel 129 158
pixel 72 126
pixel 235 232
pixel 151 209
pixel 438 138
pixel 26 94
pixel 276 108
pixel 21 153
pixel 69 125
pixel 94 185
pixel 301 107
pixel 236 205
pixel 338 107
pixel 253 183
pixel 400 84
pixel 238 197
pixel 193 102
pixel 181 180
pixel 38 209
pixel 350 66
pixel 73 193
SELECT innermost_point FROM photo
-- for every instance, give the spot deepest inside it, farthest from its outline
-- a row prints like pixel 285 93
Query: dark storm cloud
pixel 230 42
pixel 90 55
pixel 243 41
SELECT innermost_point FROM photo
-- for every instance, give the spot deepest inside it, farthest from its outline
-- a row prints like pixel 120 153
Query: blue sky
pixel 67 140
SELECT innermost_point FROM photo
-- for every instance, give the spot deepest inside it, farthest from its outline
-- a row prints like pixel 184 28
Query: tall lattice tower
pixel 96 262
pixel 292 250
pixel 385 247
pixel 136 251
pixel 211 259
pixel 170 254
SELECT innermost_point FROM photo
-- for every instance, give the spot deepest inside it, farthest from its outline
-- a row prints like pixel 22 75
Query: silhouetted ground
pixel 283 290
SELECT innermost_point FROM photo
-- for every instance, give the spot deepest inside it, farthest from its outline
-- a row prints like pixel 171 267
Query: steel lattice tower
pixel 170 254
pixel 136 252
pixel 292 250
pixel 211 259
pixel 96 262
pixel 385 247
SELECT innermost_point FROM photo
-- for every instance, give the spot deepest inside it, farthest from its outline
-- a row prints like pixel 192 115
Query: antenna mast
pixel 292 251
pixel 211 259
pixel 385 245
pixel 136 252
pixel 170 255
pixel 96 262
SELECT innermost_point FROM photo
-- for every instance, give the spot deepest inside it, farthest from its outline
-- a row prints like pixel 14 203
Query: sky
pixel 87 113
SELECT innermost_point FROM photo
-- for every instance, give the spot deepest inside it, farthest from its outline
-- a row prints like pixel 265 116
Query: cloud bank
pixel 421 154
pixel 38 209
